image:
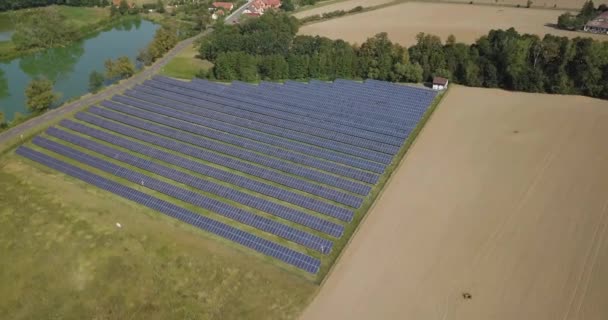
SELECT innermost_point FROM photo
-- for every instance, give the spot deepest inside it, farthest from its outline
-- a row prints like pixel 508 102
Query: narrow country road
pixel 112 90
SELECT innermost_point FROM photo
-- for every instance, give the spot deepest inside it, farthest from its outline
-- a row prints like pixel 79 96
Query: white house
pixel 440 83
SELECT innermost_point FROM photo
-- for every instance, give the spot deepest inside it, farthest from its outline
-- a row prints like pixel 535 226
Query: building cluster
pixel 258 7
pixel 599 24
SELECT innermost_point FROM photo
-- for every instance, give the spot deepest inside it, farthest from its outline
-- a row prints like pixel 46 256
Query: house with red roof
pixel 258 7
pixel 228 6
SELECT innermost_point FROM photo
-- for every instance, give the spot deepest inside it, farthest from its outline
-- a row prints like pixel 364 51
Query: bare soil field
pixel 562 4
pixel 402 22
pixel 503 197
pixel 342 5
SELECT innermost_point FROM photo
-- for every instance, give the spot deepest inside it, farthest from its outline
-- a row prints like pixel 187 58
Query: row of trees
pixel 569 21
pixel 6 5
pixel 268 48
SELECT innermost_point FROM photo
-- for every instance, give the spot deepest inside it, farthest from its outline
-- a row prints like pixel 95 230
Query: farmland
pixel 502 197
pixel 210 164
pixel 342 5
pixel 403 21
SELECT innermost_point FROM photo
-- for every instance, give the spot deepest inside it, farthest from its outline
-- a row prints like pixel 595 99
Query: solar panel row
pixel 270 226
pixel 371 141
pixel 371 151
pixel 232 135
pixel 275 104
pixel 238 180
pixel 330 107
pixel 152 95
pixel 261 245
pixel 264 205
pixel 192 134
pixel 235 164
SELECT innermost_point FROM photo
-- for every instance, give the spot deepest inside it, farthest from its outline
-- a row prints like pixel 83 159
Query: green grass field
pixel 186 65
pixel 65 258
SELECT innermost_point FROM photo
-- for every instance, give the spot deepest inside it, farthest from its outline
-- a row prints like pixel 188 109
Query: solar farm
pixel 286 170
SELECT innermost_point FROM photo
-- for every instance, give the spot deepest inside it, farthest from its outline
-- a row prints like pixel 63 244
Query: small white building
pixel 440 83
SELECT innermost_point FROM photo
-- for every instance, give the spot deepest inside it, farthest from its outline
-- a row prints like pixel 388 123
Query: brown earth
pixel 342 5
pixel 504 197
pixel 404 21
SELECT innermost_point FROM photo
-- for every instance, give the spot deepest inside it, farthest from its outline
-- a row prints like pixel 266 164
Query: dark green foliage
pixel 122 68
pixel 268 49
pixel 96 80
pixel 43 28
pixel 40 95
pixel 22 4
pixel 287 5
pixel 123 7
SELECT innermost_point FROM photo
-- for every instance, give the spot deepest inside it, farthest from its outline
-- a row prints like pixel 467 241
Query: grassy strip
pixel 186 64
pixel 329 261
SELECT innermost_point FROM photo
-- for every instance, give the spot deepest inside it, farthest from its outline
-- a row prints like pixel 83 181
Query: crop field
pixel 502 197
pixel 277 175
pixel 404 21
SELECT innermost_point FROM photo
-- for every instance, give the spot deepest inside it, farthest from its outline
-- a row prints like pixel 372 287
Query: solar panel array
pixel 278 168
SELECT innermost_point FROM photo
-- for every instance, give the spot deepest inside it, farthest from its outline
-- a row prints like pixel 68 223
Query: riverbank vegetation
pixel 40 95
pixel 268 48
pixel 53 26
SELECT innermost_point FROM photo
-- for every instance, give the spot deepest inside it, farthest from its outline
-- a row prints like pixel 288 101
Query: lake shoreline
pixel 84 33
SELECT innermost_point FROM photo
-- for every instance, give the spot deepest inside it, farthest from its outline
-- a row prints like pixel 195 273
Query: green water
pixel 6 27
pixel 69 67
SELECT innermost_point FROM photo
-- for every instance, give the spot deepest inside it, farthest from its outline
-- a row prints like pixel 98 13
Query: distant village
pixel 254 9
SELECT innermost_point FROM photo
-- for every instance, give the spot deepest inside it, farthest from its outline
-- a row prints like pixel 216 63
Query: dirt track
pixel 504 196
pixel 467 22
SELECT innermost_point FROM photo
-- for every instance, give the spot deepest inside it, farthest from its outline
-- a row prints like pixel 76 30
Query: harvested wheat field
pixel 342 5
pixel 503 197
pixel 561 4
pixel 402 22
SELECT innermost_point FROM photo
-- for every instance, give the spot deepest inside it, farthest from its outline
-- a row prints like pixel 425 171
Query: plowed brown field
pixel 503 196
pixel 467 22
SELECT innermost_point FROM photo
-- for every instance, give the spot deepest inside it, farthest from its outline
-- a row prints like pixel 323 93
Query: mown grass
pixel 64 258
pixel 186 64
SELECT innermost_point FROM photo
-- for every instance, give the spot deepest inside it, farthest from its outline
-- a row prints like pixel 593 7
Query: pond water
pixel 69 67
pixel 6 27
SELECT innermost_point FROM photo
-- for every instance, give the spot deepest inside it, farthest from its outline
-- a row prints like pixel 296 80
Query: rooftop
pixel 600 21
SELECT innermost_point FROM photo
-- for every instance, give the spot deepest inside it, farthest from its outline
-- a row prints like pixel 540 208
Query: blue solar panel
pixel 221 208
pixel 261 245
pixel 288 181
pixel 318 146
pixel 278 210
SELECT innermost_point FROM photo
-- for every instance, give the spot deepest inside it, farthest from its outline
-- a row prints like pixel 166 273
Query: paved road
pixel 112 90
pixel 234 17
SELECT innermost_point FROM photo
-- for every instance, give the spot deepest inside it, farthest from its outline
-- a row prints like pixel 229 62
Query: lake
pixel 69 67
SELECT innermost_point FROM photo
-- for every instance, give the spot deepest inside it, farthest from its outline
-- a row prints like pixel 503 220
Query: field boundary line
pixel 383 185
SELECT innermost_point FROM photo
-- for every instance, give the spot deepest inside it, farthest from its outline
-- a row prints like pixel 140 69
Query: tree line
pixel 269 49
pixel 6 5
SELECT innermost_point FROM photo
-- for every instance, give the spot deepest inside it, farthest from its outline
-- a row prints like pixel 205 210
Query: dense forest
pixel 268 48
pixel 22 4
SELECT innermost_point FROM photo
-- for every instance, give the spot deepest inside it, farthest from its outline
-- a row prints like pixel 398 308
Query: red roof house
pixel 223 5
